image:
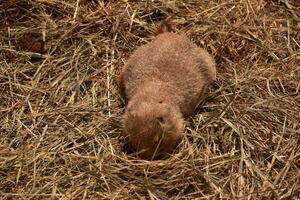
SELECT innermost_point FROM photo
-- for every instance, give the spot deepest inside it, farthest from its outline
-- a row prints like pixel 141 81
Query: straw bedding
pixel 61 108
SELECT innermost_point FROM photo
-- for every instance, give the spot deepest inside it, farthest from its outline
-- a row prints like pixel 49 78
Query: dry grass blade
pixel 60 106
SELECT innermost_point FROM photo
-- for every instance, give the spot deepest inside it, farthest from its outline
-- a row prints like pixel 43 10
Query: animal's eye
pixel 161 119
pixel 160 102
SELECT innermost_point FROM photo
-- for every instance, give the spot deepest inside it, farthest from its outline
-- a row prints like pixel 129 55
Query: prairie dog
pixel 163 82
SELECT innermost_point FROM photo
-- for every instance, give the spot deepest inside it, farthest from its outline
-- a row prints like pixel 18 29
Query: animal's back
pixel 174 60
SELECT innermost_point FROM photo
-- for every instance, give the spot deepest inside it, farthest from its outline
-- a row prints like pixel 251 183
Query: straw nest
pixel 60 105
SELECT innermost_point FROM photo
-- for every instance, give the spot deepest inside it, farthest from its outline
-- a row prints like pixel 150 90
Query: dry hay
pixel 60 107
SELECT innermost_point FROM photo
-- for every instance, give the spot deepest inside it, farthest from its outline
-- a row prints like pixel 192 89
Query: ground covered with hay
pixel 60 105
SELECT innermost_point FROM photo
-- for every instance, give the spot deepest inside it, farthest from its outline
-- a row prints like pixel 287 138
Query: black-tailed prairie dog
pixel 163 82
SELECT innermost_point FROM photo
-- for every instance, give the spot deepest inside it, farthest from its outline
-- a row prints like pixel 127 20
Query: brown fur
pixel 163 82
pixel 165 26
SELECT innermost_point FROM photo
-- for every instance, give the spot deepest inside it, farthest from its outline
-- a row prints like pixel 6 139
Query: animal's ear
pixel 132 113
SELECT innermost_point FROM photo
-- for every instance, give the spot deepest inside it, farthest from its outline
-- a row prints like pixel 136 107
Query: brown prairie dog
pixel 163 82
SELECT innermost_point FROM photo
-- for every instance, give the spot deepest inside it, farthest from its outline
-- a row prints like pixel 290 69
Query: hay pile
pixel 60 107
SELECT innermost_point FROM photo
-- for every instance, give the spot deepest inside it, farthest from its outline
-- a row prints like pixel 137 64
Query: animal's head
pixel 152 128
